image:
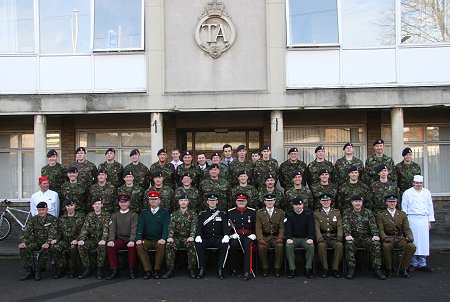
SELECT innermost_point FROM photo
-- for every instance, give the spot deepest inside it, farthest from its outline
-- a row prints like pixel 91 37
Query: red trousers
pixel 119 244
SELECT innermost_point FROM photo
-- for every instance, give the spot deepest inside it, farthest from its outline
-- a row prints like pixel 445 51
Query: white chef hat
pixel 418 178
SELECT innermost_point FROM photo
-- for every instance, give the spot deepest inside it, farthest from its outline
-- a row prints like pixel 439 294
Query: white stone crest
pixel 215 33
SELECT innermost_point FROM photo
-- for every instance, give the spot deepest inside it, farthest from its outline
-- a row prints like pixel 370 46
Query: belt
pixel 244 231
pixel 268 234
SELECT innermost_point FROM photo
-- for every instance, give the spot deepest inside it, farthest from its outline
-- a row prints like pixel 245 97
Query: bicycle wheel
pixel 5 227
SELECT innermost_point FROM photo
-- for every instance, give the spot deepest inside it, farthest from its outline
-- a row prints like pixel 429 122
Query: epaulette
pixel 231 209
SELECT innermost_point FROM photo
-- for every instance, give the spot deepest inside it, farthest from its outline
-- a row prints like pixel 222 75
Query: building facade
pixel 197 74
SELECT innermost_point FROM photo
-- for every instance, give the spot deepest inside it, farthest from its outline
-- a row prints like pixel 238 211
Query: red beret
pixel 43 178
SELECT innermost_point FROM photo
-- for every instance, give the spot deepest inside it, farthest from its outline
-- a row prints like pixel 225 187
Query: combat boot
pixel 99 274
pixel 113 275
pixel 169 274
pixel 201 273
pixel 350 273
pixel 86 273
pixel 148 275
pixel 309 273
pixel 220 273
pixel 29 274
pixel 291 274
pixel 404 273
pixel 132 274
pixel 192 274
pixel 379 274
pixel 388 273
pixel 37 275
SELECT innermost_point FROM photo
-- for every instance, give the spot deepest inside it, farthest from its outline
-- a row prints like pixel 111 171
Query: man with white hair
pixel 418 205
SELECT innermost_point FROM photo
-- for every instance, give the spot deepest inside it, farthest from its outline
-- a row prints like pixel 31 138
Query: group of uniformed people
pixel 232 205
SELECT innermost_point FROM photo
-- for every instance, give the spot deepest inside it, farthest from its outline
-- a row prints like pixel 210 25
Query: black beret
pixel 241 173
pixel 110 149
pixel 183 196
pixel 215 154
pixel 95 199
pixel 41 205
pixel 352 168
pixel 80 149
pixel 134 152
pixel 321 171
pixel 346 145
pixel 265 147
pixel 297 200
pixel 127 172
pixel 187 153
pixel 186 174
pixel 70 201
pixel 102 170
pixel 269 176
pixel 296 173
pixel 161 151
pixel 319 148
pixel 157 174
pixel 292 150
pixel 357 197
pixel 72 169
pixel 406 151
pixel 241 147
pixel 381 167
pixel 378 141
pixel 51 152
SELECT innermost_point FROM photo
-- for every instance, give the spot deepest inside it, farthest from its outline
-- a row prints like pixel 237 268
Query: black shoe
pixel 234 272
pixel 99 274
pixel 168 274
pixel 131 274
pixel 220 273
pixel 388 273
pixel 336 274
pixel 29 274
pixel 324 273
pixel 350 273
pixel 192 274
pixel 291 273
pixel 426 269
pixel 157 274
pixel 37 275
pixel 246 276
pixel 86 273
pixel 70 274
pixel 404 273
pixel 148 275
pixel 309 273
pixel 201 273
pixel 113 275
pixel 379 274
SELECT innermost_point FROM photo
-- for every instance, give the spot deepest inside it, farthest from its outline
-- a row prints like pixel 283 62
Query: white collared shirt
pixel 154 210
pixel 50 197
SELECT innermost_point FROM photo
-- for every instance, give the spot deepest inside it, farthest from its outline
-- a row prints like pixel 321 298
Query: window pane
pixel 368 23
pixel 425 21
pixel 102 140
pixel 9 185
pixel 28 181
pixel 27 140
pixel 65 26
pixel 53 141
pixel 343 135
pixel 131 139
pixel 413 134
pixel 441 133
pixel 301 136
pixel 386 133
pixel 253 140
pixel 9 141
pixel 215 141
pixel 313 22
pixel 118 24
pixel 438 166
pixel 16 26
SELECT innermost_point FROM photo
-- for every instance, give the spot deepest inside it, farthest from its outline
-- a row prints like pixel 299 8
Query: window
pixel 312 22
pixel 425 21
pixel 123 142
pixel 306 139
pixel 368 23
pixel 118 24
pixel 16 26
pixel 431 150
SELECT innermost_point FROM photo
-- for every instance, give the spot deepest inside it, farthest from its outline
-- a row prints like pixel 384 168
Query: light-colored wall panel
pixel 18 74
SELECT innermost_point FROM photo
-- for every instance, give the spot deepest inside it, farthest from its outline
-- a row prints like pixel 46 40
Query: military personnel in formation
pixel 188 167
pixel 270 188
pixel 55 172
pixel 182 226
pixel 227 158
pixel 175 154
pixel 135 192
pixel 329 234
pixel 165 167
pixel 300 232
pixel 114 168
pixel 288 167
pixel 270 234
pixel 105 190
pixel 122 235
pixel 93 236
pixel 374 161
pixel 242 220
pixel 196 203
pixel 241 163
pixel 244 187
pixel 223 172
pixel 354 186
pixel 342 164
pixel 63 237
pixel 298 191
pixel 382 187
pixel 405 171
pixel 87 171
pixel 35 238
pixel 324 186
pixel 152 232
pixel 73 189
pixel 216 185
pixel 395 233
pixel 212 231
pixel 264 166
pixel 140 172
pixel 319 163
pixel 360 230
pixel 166 193
pixel 255 155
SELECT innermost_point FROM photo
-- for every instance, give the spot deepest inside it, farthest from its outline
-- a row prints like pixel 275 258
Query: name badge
pixel 334 218
pixel 218 219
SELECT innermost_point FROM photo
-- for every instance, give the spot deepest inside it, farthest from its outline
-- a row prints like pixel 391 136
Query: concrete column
pixel 40 146
pixel 277 134
pixel 397 134
pixel 156 134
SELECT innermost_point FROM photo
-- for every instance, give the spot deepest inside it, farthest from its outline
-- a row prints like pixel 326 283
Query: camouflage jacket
pixel 252 193
pixel 220 187
pixel 287 169
pixel 264 168
pixel 223 174
pixel 312 173
pixel 182 225
pixel 319 189
pixel 341 166
pixel 115 172
pixel 167 197
pixel 372 162
pixel 77 191
pixel 304 193
pixel 87 172
pixel 136 194
pixel 141 174
pixel 95 227
pixel 360 225
pixel 67 228
pixel 347 190
pixel 38 229
pixel 109 194
pixel 167 170
pixel 379 191
pixel 236 166
pixel 405 174
pixel 57 174
pixel 279 198
pixel 193 170
pixel 195 200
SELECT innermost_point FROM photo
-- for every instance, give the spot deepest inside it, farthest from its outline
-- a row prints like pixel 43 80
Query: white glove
pixel 225 239
pixel 234 236
pixel 198 239
pixel 252 236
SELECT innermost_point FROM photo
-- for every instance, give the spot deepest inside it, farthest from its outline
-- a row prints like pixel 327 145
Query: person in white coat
pixel 46 195
pixel 418 205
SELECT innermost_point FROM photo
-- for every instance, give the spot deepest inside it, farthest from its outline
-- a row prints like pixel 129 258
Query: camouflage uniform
pixel 319 189
pixel 304 193
pixel 36 234
pixel 279 198
pixel 95 229
pixel 195 200
pixel 87 172
pixel 312 173
pixel 66 230
pixel 236 166
pixel 341 166
pixel 347 190
pixel 109 195
pixel 286 170
pixel 141 174
pixel 250 191
pixel 182 226
pixel 219 187
pixel 77 191
pixel 115 172
pixel 379 191
pixel 405 174
pixel 57 174
pixel 223 174
pixel 167 170
pixel 136 194
pixel 362 227
pixel 264 168
pixel 193 170
pixel 370 171
pixel 167 197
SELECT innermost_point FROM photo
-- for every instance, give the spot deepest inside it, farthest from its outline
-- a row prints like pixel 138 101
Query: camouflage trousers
pixel 171 250
pixel 26 256
pixel 374 248
pixel 90 245
pixel 58 255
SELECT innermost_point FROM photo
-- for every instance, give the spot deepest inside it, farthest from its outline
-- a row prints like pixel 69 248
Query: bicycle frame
pixel 22 225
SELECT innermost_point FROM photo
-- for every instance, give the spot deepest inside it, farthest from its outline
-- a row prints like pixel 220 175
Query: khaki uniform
pixel 271 230
pixel 329 234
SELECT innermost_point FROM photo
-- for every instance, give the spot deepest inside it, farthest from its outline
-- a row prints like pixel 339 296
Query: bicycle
pixel 5 223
